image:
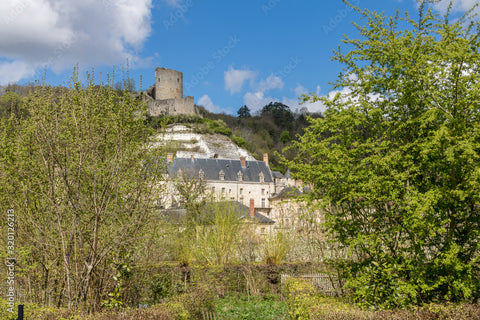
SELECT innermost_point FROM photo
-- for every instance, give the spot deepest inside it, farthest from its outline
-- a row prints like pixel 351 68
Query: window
pixel 261 177
pixel 213 189
pixel 263 192
pixel 263 202
pixel 240 176
pixel 221 175
pixel 263 231
pixel 241 190
pixel 241 199
pixel 223 190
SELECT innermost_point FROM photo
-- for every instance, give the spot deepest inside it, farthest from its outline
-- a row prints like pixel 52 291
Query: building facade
pixel 241 180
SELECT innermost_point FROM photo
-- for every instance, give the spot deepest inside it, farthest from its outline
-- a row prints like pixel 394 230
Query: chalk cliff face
pixel 187 143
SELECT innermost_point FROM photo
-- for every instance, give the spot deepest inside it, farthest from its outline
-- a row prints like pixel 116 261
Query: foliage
pixel 260 131
pixel 199 299
pixel 11 104
pixel 395 161
pixel 285 136
pixel 244 112
pixel 300 297
pixel 276 246
pixel 192 194
pixel 218 233
pixel 223 130
pixel 239 141
pixel 251 308
pixel 280 113
pixel 161 286
pixel 80 180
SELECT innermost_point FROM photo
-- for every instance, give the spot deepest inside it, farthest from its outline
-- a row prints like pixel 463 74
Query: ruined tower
pixel 168 84
pixel 166 96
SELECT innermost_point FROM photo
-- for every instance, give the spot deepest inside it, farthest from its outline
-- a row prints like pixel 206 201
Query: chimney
pixel 243 162
pixel 252 208
pixel 265 158
pixel 169 157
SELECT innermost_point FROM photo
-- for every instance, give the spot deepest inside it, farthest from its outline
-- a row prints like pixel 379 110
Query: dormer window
pixel 201 174
pixel 240 176
pixel 221 175
pixel 261 176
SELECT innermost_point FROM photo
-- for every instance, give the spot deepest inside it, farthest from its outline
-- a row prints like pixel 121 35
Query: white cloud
pixel 206 102
pixel 235 78
pixel 11 72
pixel 295 105
pixel 257 100
pixel 173 3
pixel 61 33
pixel 272 82
pixel 458 5
pixel 299 90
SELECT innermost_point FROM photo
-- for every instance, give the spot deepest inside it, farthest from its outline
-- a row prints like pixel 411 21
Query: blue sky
pixel 231 52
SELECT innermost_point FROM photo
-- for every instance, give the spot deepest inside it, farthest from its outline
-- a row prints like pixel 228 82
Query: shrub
pixel 300 298
pixel 199 299
pixel 161 286
pixel 239 141
pixel 223 130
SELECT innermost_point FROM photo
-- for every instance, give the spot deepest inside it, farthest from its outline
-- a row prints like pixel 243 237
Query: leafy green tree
pixel 244 112
pixel 396 161
pixel 285 136
pixel 281 114
pixel 81 180
pixel 11 103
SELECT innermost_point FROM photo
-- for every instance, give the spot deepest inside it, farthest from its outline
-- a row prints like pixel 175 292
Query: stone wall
pixel 171 107
pixel 166 96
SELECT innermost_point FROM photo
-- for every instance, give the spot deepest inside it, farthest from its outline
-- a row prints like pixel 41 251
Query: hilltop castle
pixel 166 96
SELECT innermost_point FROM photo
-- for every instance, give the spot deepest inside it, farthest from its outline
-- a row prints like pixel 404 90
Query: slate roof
pixel 277 175
pixel 288 174
pixel 242 211
pixel 212 167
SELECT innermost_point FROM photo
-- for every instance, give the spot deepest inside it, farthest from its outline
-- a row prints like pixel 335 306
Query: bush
pixel 223 130
pixel 239 141
pixel 196 301
pixel 161 286
pixel 300 298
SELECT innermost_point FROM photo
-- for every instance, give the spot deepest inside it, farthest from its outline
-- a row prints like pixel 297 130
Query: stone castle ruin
pixel 166 96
